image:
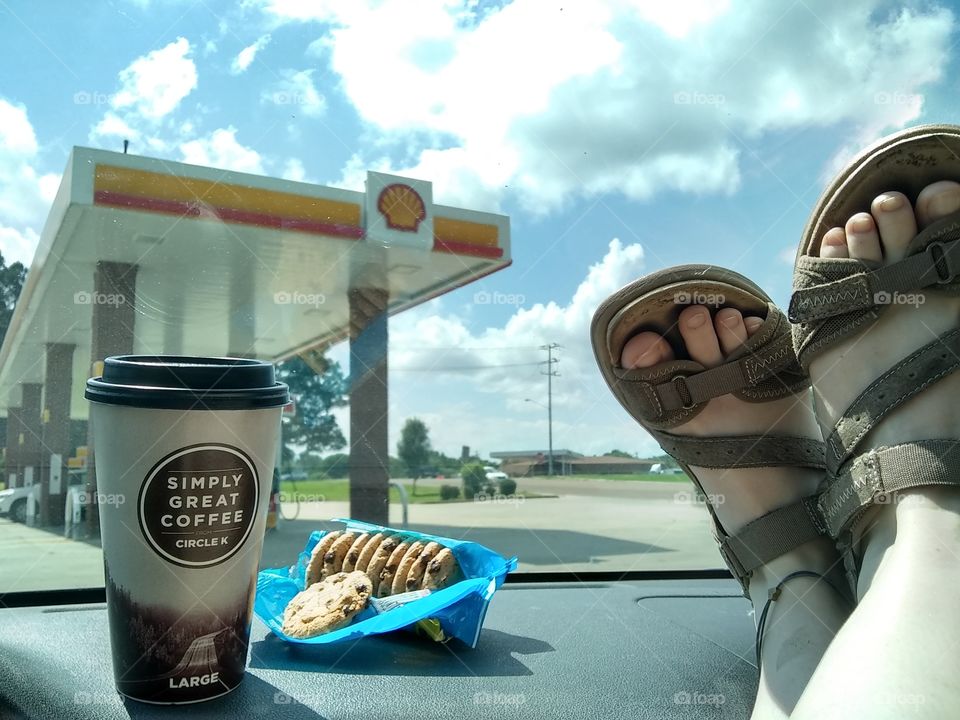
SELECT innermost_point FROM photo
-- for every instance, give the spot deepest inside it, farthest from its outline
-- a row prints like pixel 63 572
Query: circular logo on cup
pixel 197 505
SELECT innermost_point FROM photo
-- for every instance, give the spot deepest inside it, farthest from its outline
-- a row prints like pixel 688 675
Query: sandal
pixel 661 397
pixel 835 298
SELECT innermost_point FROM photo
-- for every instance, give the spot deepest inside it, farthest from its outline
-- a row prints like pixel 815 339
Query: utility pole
pixel 550 373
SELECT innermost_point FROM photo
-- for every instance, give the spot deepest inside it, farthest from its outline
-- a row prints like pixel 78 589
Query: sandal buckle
pixel 939 253
pixel 683 390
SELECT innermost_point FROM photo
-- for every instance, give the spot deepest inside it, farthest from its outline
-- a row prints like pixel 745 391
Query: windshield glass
pixel 274 179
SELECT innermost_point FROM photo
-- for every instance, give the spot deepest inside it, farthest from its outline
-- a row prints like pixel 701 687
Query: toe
pixel 834 244
pixel 752 324
pixel 645 350
pixel 731 332
pixel 699 336
pixel 937 200
pixel 863 240
pixel 896 223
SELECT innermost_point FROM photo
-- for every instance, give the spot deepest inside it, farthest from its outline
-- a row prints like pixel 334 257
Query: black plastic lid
pixel 173 382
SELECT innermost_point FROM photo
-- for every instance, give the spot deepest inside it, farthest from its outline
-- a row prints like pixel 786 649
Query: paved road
pixel 591 525
pixel 592 487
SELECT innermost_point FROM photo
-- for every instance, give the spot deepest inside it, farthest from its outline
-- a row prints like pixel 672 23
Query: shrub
pixel 449 492
pixel 508 486
pixel 474 478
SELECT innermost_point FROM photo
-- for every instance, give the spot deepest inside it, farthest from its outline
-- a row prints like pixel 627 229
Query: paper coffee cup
pixel 184 450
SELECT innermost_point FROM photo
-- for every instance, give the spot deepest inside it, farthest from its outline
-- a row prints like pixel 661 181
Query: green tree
pixel 619 454
pixel 414 447
pixel 11 283
pixel 474 479
pixel 318 388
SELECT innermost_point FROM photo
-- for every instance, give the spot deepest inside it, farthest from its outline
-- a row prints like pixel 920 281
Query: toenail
pixel 945 203
pixel 730 320
pixel 889 203
pixel 752 323
pixel 836 239
pixel 862 223
pixel 695 320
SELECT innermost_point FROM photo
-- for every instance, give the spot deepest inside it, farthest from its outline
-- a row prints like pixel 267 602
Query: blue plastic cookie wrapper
pixel 459 609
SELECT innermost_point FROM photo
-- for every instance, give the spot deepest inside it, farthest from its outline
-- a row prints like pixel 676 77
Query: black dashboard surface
pixel 638 649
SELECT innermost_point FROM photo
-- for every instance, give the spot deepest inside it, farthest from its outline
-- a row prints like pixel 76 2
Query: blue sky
pixel 620 137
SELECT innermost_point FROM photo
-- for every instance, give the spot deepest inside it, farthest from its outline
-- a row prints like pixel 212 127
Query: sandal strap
pixel 742 451
pixel 907 378
pixel 873 477
pixel 833 298
pixel 770 536
pixel 671 392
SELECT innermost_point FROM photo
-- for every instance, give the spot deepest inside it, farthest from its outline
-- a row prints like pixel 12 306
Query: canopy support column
pixel 111 333
pixel 369 461
pixel 56 431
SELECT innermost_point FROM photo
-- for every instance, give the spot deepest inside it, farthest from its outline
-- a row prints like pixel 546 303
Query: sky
pixel 619 136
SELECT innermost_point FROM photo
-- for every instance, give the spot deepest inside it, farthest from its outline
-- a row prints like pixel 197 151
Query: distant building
pixel 566 462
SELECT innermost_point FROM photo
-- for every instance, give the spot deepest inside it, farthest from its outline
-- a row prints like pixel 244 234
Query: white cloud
pixel 297 90
pixel 18 245
pixel 618 96
pixel 153 85
pixel 25 193
pixel 293 170
pixel 428 337
pixel 246 56
pixel 220 149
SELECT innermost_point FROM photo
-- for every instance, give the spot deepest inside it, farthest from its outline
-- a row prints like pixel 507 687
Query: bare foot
pixel 801 625
pixel 743 494
pixel 842 372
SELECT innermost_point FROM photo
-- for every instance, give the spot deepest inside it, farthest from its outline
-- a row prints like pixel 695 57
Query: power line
pixel 464 368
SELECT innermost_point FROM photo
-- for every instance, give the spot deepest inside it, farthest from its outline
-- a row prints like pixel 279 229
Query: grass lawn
pixel 645 477
pixel 339 490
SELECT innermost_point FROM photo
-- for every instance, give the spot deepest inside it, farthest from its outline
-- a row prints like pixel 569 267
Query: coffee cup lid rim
pixel 187 382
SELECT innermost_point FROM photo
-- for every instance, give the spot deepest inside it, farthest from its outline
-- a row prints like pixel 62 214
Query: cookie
pixel 315 567
pixel 373 544
pixel 326 605
pixel 353 554
pixel 406 562
pixel 390 569
pixel 380 557
pixel 333 560
pixel 441 571
pixel 415 575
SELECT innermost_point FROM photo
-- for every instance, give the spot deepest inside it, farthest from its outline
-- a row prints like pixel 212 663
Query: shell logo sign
pixel 402 207
pixel 398 212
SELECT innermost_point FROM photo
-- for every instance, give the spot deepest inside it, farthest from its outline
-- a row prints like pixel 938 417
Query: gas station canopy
pixel 230 263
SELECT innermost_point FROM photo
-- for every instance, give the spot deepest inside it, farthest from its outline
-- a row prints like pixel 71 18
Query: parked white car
pixel 13 503
pixel 493 474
